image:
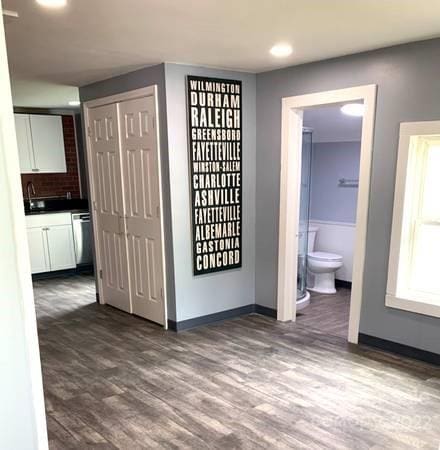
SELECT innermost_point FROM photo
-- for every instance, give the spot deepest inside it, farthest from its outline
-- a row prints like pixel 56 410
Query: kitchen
pixel 55 203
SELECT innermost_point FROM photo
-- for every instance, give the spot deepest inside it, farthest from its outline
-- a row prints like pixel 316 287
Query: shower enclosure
pixel 302 296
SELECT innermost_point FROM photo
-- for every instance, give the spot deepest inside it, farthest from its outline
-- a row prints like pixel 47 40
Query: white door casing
pixel 110 240
pixel 142 200
pixel 291 143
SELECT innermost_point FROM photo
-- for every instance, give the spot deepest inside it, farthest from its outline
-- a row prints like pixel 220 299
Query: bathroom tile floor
pixel 327 313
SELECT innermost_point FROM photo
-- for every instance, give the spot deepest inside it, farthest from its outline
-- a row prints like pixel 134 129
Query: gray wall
pixel 207 294
pixel 408 90
pixel 136 80
pixel 330 162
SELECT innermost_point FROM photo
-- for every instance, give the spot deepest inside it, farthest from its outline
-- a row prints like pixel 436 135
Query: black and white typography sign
pixel 215 143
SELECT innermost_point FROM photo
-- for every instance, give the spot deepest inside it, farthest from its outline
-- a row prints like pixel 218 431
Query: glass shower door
pixel 306 164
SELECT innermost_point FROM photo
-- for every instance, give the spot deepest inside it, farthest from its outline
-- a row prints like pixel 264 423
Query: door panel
pixel 61 248
pixel 140 166
pixel 24 143
pixel 38 250
pixel 103 122
pixel 48 143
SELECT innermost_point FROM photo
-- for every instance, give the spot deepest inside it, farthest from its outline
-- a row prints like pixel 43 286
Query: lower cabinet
pixel 61 247
pixel 51 245
pixel 38 250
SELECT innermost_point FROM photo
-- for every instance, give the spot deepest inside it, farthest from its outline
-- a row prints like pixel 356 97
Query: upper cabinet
pixel 40 143
pixel 24 142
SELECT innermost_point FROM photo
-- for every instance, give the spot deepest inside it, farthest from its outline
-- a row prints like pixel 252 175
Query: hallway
pixel 112 380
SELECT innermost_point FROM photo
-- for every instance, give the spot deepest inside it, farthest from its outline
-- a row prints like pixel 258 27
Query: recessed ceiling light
pixel 52 3
pixel 74 103
pixel 281 50
pixel 353 109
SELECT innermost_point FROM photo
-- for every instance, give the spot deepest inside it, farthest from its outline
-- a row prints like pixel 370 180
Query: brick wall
pixel 57 184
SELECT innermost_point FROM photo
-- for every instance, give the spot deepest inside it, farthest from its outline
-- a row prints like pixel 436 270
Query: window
pixel 413 274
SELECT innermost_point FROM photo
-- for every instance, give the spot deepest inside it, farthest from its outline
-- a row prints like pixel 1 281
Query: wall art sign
pixel 215 144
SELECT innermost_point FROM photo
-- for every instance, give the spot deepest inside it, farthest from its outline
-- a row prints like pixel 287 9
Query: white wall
pixel 337 237
pixel 22 417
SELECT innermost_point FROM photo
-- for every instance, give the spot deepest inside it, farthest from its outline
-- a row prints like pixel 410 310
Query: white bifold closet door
pixel 125 162
pixel 140 162
pixel 109 206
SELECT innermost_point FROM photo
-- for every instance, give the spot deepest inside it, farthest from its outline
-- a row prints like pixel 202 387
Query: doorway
pixel 328 201
pixel 290 196
pixel 123 154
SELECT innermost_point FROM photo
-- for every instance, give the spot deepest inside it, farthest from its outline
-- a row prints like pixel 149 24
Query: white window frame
pixel 396 297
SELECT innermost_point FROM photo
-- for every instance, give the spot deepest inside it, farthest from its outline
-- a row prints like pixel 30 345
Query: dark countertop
pixel 56 205
pixel 43 211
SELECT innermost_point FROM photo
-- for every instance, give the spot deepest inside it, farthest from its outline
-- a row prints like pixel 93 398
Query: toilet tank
pixel 311 238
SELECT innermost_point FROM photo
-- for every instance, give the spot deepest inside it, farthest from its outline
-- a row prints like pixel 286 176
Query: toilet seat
pixel 324 256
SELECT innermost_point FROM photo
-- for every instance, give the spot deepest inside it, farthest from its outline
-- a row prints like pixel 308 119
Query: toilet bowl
pixel 322 267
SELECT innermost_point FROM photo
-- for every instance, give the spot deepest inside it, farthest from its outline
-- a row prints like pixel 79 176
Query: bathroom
pixel 328 202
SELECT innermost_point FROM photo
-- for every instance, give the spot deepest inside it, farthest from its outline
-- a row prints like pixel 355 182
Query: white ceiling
pixel 330 125
pixel 90 40
pixel 42 94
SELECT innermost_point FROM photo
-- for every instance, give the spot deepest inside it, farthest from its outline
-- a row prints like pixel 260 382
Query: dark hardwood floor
pixel 327 313
pixel 116 381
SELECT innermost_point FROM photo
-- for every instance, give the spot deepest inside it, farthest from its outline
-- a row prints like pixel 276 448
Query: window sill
pixel 413 305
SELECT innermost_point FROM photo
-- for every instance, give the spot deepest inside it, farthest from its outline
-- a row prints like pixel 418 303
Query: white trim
pixel 129 95
pixel 16 287
pixel 329 222
pixel 92 196
pixel 291 137
pixel 161 212
pixel 291 141
pixel 416 302
pixel 415 306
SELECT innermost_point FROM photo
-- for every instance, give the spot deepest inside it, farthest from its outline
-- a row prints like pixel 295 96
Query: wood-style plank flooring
pixel 116 381
pixel 327 313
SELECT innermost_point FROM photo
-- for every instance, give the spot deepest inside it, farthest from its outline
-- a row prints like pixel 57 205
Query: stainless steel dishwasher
pixel 82 234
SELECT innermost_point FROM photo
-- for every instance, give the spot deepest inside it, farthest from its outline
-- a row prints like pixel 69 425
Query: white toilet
pixel 321 267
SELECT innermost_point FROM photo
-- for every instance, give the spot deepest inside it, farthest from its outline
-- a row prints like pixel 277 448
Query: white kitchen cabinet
pixel 61 247
pixel 38 250
pixel 51 244
pixel 40 141
pixel 24 142
pixel 48 143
